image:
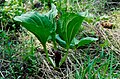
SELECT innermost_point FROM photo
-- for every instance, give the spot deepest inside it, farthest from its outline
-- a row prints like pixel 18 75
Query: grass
pixel 105 70
pixel 22 56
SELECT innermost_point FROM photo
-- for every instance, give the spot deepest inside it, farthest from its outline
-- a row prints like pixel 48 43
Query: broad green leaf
pixel 86 40
pixel 62 43
pixel 38 24
pixel 74 41
pixel 68 26
pixel 52 13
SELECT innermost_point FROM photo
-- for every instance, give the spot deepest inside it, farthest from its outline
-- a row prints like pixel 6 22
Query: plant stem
pixel 64 58
pixel 49 59
pixel 46 52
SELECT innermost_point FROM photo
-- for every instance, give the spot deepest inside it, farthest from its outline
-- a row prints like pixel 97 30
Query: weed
pixel 67 27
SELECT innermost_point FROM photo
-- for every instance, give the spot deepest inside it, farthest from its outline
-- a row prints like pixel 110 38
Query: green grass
pixel 91 70
pixel 22 55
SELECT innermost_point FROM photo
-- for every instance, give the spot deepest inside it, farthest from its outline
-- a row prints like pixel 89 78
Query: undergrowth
pixel 22 55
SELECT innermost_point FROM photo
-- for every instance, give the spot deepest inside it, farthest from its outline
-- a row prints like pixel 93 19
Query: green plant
pixel 5 45
pixel 68 26
pixel 44 26
pixel 7 12
pixel 92 70
pixel 40 25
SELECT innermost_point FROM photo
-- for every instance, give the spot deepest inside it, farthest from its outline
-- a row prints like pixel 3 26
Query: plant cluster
pixel 61 30
pixel 65 46
pixel 9 10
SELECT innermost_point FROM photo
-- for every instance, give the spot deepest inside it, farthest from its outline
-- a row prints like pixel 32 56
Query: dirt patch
pixel 112 35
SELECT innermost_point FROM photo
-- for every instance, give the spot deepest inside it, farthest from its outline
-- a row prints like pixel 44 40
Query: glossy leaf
pixel 62 43
pixel 52 13
pixel 36 23
pixel 68 26
pixel 86 40
pixel 75 41
pixel 39 25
